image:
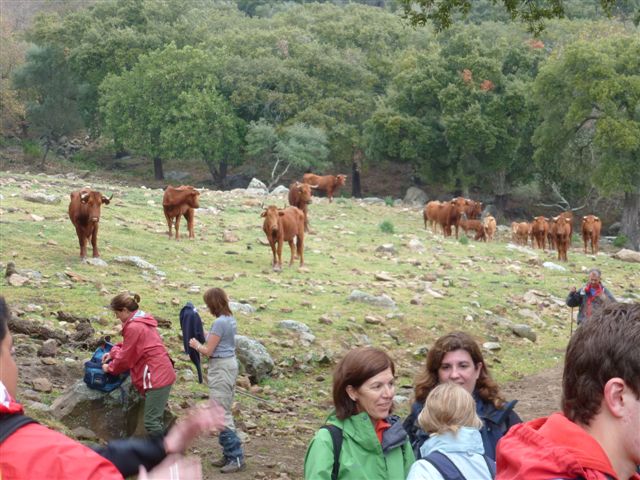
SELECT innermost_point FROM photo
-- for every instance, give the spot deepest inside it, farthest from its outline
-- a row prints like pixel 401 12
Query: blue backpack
pixel 95 377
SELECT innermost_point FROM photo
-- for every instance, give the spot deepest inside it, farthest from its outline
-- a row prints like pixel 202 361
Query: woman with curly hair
pixel 456 357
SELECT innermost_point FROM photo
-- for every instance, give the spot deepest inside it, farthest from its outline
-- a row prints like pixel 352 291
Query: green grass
pixel 340 257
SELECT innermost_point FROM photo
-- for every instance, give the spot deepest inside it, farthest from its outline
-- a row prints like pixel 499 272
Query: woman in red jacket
pixel 29 450
pixel 143 352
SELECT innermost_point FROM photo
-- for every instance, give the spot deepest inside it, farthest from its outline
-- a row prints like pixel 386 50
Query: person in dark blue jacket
pixel 456 357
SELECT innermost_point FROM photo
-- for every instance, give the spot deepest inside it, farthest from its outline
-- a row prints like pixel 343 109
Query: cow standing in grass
pixel 562 236
pixel 326 183
pixel 430 214
pixel 539 230
pixel 490 226
pixel 84 213
pixel 284 225
pixel 300 197
pixel 591 226
pixel 178 202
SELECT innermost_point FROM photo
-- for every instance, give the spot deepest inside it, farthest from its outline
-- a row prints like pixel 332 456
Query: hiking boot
pixel 236 465
pixel 221 462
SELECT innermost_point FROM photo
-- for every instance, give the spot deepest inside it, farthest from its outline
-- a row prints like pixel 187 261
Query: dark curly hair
pixel 428 379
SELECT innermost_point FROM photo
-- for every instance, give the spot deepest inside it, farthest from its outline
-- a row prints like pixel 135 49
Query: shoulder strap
pixel 444 466
pixel 336 438
pixel 491 465
pixel 11 423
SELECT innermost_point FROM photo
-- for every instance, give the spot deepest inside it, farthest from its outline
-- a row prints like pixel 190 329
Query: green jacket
pixel 362 456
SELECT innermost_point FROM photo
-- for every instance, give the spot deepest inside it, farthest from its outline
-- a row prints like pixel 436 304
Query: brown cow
pixel 539 231
pixel 551 234
pixel 520 232
pixel 326 183
pixel 300 196
pixel 84 213
pixel 591 226
pixel 180 201
pixel 430 214
pixel 449 215
pixel 490 226
pixel 475 225
pixel 472 209
pixel 563 236
pixel 282 225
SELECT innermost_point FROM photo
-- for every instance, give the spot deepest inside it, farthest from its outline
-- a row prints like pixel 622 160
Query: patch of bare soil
pixel 283 456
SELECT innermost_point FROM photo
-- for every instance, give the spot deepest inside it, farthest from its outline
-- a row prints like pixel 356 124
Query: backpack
pixel 336 438
pixel 11 423
pixel 95 377
pixel 448 469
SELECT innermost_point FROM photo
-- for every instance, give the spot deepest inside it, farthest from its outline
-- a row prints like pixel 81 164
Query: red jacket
pixel 36 452
pixel 551 448
pixel 142 352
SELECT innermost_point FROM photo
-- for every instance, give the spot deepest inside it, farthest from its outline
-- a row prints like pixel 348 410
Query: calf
pixel 475 225
pixel 282 225
pixel 300 197
pixel 490 226
pixel 591 226
pixel 520 232
pixel 562 236
pixel 84 213
pixel 180 201
pixel 539 230
pixel 326 183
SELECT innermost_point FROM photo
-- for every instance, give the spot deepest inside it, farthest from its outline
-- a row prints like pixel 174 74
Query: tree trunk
pixel 44 157
pixel 157 168
pixel 500 195
pixel 220 173
pixel 631 218
pixel 356 166
pixel 500 202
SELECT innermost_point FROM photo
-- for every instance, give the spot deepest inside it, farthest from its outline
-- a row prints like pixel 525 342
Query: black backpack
pixel 448 469
pixel 11 423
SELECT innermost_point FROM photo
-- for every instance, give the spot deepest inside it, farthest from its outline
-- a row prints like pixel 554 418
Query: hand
pixel 105 367
pixel 174 467
pixel 199 420
pixel 106 357
pixel 193 343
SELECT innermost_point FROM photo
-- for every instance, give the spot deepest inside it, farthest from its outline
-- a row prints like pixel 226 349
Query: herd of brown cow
pixel 280 225
pixel 290 224
pixel 557 231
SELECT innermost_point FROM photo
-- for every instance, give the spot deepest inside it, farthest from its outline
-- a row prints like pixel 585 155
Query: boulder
pixel 280 190
pixel 256 187
pixel 41 198
pixel 379 301
pixel 138 262
pixel 627 255
pixel 415 196
pixel 524 331
pixel 176 175
pixel 117 414
pixel 373 201
pixel 242 307
pixel 254 357
pixel 554 266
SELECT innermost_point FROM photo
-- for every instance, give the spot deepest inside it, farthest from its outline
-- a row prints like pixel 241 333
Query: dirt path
pixel 282 457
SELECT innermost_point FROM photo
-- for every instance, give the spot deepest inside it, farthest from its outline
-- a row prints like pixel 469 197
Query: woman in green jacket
pixel 374 445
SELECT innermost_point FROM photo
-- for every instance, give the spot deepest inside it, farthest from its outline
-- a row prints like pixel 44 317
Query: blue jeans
pixel 231 445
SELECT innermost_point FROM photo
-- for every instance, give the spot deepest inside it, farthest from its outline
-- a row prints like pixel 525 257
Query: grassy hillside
pixel 479 283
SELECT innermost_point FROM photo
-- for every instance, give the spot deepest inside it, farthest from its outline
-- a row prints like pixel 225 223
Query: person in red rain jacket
pixel 30 451
pixel 143 352
pixel 597 435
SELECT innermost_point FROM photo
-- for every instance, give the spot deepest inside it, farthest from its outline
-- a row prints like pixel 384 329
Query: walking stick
pixel 571 322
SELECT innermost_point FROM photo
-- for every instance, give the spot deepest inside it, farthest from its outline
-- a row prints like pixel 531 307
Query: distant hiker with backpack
pixel 29 450
pixel 454 449
pixel 592 294
pixel 143 352
pixel 362 439
pixel 220 349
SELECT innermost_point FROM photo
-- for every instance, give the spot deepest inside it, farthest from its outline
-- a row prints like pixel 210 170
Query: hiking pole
pixel 571 322
pixel 242 391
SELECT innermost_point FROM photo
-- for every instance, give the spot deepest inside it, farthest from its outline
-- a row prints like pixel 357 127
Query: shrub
pixel 620 241
pixel 387 227
pixel 31 150
pixel 388 201
pixel 464 240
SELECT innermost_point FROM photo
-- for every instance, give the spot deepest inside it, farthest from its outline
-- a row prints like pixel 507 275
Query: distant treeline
pixel 481 106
